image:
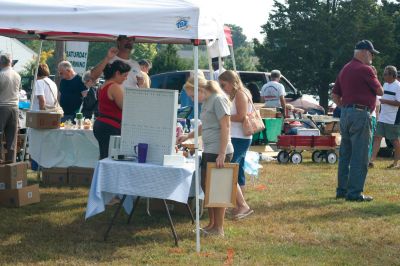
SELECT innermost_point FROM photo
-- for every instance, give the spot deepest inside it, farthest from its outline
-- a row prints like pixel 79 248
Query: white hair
pixel 356 51
pixel 5 59
pixel 65 65
pixel 88 77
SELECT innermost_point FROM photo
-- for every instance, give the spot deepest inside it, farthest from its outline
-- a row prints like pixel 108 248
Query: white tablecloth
pixel 133 179
pixel 63 147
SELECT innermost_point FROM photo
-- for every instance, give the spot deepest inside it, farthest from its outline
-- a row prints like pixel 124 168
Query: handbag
pixel 252 121
pixel 56 108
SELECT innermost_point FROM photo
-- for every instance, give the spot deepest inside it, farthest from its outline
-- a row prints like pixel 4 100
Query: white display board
pixel 149 116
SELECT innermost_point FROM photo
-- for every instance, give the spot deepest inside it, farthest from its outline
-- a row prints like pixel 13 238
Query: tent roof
pixel 161 21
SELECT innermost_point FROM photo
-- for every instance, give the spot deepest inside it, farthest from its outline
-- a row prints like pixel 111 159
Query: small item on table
pixel 79 120
pixel 68 124
pixel 87 124
pixel 141 152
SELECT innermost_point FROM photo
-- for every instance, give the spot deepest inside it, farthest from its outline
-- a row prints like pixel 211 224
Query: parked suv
pixel 175 81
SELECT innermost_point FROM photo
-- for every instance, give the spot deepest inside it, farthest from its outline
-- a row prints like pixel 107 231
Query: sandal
pixel 240 216
pixel 212 233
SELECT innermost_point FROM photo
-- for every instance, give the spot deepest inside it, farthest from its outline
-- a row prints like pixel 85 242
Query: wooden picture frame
pixel 221 185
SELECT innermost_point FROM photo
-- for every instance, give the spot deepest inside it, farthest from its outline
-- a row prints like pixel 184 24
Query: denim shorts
pixel 388 131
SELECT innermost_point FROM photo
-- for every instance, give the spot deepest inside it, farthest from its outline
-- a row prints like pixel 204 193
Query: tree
pixel 167 60
pixel 144 51
pixel 238 38
pixel 243 50
pixel 310 41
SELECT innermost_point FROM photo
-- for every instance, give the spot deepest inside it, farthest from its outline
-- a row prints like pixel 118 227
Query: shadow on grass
pixel 365 210
pixel 335 210
pixel 55 230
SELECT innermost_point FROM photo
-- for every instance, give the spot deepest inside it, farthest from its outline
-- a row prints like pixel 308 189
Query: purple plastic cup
pixel 141 152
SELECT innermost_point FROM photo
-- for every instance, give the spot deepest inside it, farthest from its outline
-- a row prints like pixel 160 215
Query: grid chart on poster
pixel 149 116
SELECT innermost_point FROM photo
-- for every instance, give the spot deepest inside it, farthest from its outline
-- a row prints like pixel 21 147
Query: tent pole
pixel 33 86
pixel 233 57
pixel 196 141
pixel 219 60
pixel 210 68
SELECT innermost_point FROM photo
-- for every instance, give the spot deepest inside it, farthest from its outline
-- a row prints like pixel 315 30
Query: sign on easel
pixel 149 116
pixel 77 53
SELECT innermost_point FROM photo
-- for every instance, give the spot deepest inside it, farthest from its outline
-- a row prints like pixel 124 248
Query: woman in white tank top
pixel 241 105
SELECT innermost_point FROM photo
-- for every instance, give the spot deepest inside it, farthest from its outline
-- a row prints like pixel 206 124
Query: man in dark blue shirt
pixel 72 90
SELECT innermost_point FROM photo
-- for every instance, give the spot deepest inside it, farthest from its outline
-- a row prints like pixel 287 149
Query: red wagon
pixel 293 145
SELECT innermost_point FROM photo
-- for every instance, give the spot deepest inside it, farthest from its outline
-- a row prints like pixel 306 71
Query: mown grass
pixel 297 221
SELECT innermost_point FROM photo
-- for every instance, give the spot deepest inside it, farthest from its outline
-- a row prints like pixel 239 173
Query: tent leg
pixel 171 223
pixel 196 142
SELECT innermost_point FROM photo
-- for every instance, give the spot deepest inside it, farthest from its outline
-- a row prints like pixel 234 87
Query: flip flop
pixel 244 215
pixel 212 233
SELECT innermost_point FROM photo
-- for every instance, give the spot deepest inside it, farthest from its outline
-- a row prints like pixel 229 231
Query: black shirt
pixel 71 94
pixel 90 104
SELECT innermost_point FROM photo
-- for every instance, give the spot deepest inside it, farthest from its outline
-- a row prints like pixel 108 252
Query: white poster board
pixel 149 116
pixel 77 53
pixel 221 185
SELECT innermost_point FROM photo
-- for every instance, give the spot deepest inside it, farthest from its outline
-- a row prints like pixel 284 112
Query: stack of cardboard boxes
pixel 14 191
pixel 268 112
pixel 73 176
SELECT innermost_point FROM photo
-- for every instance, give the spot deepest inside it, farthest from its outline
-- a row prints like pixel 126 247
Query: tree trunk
pixel 60 56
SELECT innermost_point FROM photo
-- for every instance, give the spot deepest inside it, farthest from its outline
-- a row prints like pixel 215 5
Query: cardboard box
pixel 43 120
pixel 20 197
pixel 268 112
pixel 13 175
pixel 79 176
pixel 55 176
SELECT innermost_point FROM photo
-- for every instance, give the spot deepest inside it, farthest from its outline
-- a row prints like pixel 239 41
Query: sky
pixel 249 15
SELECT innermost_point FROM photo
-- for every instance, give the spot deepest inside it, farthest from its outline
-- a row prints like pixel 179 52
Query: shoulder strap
pixel 51 91
pixel 250 100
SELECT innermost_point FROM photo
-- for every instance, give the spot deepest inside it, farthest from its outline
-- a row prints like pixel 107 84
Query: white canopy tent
pixel 159 21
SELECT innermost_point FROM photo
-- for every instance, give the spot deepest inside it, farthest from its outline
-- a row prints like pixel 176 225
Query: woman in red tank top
pixel 110 98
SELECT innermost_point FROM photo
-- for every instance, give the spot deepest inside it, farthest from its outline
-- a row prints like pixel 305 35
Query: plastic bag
pixel 251 163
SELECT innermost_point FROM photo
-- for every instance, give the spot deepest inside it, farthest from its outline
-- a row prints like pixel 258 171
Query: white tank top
pixel 237 127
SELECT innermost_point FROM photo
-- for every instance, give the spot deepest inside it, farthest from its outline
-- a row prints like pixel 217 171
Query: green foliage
pixel 97 52
pixel 167 60
pixel 244 51
pixel 238 38
pixel 310 41
pixel 145 51
pixel 244 57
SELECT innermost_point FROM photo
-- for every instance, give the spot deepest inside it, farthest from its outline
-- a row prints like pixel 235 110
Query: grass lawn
pixel 297 221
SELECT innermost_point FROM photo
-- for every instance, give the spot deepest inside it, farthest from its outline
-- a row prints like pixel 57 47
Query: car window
pixel 257 78
pixel 288 87
pixel 175 81
pixel 157 81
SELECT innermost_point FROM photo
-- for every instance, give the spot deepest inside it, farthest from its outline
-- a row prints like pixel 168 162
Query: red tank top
pixel 109 112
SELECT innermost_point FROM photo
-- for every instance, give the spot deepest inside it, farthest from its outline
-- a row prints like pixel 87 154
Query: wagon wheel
pixel 331 157
pixel 283 157
pixel 296 157
pixel 317 156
